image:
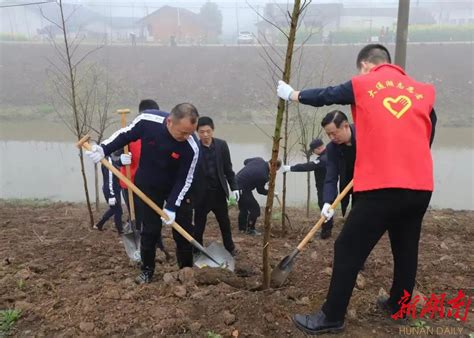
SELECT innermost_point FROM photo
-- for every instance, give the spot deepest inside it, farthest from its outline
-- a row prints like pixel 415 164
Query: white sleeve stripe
pixel 189 177
pixel 147 117
pixel 111 182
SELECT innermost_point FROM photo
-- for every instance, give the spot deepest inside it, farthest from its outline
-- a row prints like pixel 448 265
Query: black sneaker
pixel 234 252
pixel 253 232
pixel 144 277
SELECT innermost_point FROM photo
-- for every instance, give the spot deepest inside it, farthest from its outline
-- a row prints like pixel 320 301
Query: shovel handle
pixel 278 200
pixel 322 219
pixel 83 143
pixel 131 203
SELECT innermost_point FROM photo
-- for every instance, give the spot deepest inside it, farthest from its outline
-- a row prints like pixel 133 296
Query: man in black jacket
pixel 340 160
pixel 213 173
pixel 254 175
pixel 318 166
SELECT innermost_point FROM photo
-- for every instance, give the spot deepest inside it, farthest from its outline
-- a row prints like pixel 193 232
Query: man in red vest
pixel 393 178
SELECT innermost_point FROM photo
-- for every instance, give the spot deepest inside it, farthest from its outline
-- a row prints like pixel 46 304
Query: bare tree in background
pixel 99 98
pixel 273 56
pixel 293 18
pixel 72 101
pixel 309 120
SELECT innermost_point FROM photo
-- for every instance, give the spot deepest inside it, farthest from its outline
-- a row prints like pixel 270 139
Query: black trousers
pixel 215 201
pixel 249 210
pixel 151 231
pixel 115 210
pixel 138 204
pixel 398 211
pixel 329 224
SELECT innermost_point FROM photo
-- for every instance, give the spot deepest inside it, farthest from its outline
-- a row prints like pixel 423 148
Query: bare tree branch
pixel 88 53
pixel 267 20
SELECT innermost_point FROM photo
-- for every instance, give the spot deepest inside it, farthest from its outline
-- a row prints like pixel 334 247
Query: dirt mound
pixel 70 280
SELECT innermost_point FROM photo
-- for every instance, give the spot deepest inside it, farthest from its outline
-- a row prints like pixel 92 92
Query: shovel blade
pixel 280 273
pixel 220 254
pixel 131 242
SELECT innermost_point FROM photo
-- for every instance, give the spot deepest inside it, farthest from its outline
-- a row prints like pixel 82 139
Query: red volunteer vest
pixel 392 118
pixel 135 148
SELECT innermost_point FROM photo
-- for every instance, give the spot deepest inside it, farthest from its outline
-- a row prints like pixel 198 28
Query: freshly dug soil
pixel 70 280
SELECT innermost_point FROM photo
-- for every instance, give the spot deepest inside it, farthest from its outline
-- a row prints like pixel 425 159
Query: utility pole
pixel 402 33
pixel 237 18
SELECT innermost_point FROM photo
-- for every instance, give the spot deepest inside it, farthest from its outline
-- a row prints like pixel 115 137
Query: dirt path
pixel 69 280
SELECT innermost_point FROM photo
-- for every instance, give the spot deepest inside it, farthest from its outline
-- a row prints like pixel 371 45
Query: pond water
pixel 39 160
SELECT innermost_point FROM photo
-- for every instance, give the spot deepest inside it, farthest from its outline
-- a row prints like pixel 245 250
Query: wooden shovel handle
pixel 322 219
pixel 83 143
pixel 131 203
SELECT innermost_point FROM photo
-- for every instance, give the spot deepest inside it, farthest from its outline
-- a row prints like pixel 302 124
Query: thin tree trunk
pixel 276 147
pixel 77 125
pixel 285 160
pixel 86 189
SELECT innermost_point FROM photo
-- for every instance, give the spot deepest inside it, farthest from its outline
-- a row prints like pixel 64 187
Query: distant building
pixel 458 12
pixel 112 29
pixel 175 24
pixel 34 23
pixel 387 17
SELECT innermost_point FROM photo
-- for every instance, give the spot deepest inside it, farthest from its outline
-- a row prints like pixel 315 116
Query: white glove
pixel 285 168
pixel 96 154
pixel 275 193
pixel 236 195
pixel 112 201
pixel 171 217
pixel 126 159
pixel 327 211
pixel 284 90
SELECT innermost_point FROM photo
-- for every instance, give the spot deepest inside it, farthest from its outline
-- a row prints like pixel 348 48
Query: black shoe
pixel 99 227
pixel 242 231
pixel 253 232
pixel 384 305
pixel 317 323
pixel 144 277
pixel 325 233
pixel 234 252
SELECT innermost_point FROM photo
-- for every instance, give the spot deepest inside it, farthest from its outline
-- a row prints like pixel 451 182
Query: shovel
pixel 212 258
pixel 131 236
pixel 282 270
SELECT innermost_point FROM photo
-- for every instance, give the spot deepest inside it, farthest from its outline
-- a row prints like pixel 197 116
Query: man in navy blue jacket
pixel 169 153
pixel 254 175
pixel 318 166
pixel 111 189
